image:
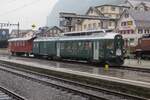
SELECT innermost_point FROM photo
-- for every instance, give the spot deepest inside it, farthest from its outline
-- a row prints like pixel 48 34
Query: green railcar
pixel 105 48
pixel 45 47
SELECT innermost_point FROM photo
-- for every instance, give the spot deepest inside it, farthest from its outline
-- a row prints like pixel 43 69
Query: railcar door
pixel 96 50
pixel 58 49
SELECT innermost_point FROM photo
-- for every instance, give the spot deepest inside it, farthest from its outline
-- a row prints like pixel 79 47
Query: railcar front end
pixel 114 52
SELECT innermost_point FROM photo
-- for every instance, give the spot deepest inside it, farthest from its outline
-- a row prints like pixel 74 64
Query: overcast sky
pixel 26 12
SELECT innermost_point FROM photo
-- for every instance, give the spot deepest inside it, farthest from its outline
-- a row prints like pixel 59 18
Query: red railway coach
pixel 21 46
pixel 143 46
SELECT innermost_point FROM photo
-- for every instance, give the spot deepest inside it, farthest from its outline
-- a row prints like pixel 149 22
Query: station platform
pixel 134 63
pixel 125 76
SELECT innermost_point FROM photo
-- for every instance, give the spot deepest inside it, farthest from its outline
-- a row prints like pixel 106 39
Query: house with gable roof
pixel 142 5
pixel 133 24
pixel 22 33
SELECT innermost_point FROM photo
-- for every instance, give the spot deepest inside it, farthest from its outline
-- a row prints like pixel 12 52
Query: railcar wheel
pixel 27 54
pixel 12 53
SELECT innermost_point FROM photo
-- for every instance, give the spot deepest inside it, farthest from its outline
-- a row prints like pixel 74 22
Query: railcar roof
pixel 90 37
pixel 20 39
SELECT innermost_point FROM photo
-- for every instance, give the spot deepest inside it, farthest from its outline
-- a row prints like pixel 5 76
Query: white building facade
pixel 133 25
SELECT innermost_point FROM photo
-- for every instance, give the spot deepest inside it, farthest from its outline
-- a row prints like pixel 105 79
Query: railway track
pixel 91 92
pixel 6 94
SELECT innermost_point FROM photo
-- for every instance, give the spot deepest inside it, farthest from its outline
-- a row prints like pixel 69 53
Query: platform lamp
pixel 33 26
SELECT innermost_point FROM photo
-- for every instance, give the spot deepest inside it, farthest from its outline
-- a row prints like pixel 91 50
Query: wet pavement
pixel 134 63
pixel 119 73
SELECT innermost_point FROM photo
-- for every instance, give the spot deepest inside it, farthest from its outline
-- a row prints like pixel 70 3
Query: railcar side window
pixel 109 44
pixel 62 45
pixel 88 45
pixel 17 43
pixel 101 44
pixel 23 44
pixel 44 44
pixel 37 45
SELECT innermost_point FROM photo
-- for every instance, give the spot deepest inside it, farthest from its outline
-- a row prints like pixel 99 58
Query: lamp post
pixel 129 49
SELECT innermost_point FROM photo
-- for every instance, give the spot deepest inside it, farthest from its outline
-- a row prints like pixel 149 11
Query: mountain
pixel 74 6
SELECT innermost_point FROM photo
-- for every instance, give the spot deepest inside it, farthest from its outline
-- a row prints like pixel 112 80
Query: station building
pixel 109 11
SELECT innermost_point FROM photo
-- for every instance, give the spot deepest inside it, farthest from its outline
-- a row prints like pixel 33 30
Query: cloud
pixel 76 6
pixel 26 12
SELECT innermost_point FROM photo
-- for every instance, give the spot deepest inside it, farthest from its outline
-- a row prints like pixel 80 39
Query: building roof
pixel 141 18
pixel 54 27
pixel 135 3
pixel 140 15
pixel 96 10
pixel 121 5
pixel 21 39
pixel 76 38
pixel 20 31
pixel 143 24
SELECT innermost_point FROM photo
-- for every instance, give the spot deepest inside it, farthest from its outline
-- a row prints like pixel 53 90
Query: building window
pixel 140 31
pixel 123 23
pixel 84 26
pixel 102 24
pixel 132 31
pixel 110 23
pixel 102 9
pixel 130 23
pixel 113 8
pixel 120 32
pixel 126 15
pixel 110 15
pixel 121 9
pixel 131 40
pixel 89 26
pixel 128 31
pixel 94 25
pixel 123 32
pixel 99 25
pixel 117 15
pixel 146 31
pixel 91 11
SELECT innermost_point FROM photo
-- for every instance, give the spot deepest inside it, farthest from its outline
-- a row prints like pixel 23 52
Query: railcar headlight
pixel 118 52
pixel 111 51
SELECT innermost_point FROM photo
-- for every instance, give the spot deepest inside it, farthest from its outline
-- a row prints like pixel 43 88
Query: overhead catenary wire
pixel 9 2
pixel 19 8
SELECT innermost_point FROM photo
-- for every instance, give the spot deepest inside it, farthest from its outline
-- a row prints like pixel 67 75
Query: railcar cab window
pixel 110 44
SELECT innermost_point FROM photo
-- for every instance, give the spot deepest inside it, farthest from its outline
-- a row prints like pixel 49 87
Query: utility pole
pixel 18 28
